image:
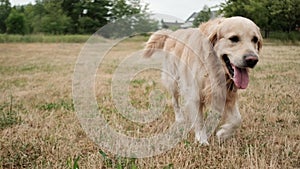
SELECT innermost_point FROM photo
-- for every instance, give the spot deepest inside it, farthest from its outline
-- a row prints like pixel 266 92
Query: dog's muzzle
pixel 250 60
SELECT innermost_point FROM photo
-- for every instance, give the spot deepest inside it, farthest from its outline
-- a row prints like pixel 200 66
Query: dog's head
pixel 237 41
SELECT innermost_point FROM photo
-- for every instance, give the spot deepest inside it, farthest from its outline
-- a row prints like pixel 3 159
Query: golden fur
pixel 194 66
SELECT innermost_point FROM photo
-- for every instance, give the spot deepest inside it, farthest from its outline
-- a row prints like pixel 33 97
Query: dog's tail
pixel 156 41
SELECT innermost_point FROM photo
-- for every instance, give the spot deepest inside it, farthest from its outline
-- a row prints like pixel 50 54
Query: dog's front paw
pixel 204 143
pixel 223 134
pixel 202 138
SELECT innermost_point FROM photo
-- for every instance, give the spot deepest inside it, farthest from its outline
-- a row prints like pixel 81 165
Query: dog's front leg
pixel 196 120
pixel 232 120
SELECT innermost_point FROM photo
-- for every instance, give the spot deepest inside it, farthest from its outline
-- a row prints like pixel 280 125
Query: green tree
pixel 73 9
pixel 287 14
pixel 125 8
pixel 15 23
pixel 5 8
pixel 95 14
pixel 46 16
pixel 29 17
pixel 128 18
pixel 87 16
pixel 33 16
pixel 260 13
pixel 54 21
pixel 257 10
pixel 268 14
pixel 87 25
pixel 203 16
pixel 84 16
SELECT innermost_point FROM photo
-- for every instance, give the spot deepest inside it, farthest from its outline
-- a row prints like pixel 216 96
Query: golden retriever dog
pixel 196 60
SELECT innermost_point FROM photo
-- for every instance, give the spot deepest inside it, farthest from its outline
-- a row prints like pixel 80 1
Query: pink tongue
pixel 241 78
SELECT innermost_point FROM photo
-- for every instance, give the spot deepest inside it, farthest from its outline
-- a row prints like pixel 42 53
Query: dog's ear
pixel 210 29
pixel 213 37
pixel 260 40
pixel 260 44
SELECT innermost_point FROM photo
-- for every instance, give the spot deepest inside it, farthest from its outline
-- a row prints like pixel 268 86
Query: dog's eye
pixel 234 39
pixel 255 39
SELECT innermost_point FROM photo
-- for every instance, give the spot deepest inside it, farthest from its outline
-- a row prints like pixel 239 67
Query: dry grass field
pixel 39 127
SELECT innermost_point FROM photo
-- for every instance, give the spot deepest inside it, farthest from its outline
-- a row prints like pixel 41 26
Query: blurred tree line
pixel 71 16
pixel 269 15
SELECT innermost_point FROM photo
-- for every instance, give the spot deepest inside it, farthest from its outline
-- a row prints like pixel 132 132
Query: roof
pixel 192 17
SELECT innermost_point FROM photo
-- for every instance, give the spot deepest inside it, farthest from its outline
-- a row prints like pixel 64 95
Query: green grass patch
pixel 5 38
pixel 26 69
pixel 73 164
pixel 60 105
pixel 8 115
pixel 118 162
pixel 284 38
pixel 40 38
pixel 275 37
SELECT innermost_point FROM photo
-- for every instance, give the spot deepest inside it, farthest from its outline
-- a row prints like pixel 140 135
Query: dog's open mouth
pixel 239 76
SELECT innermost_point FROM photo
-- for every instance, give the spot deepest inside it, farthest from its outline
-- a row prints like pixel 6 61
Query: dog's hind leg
pixel 176 105
pixel 172 86
pixel 174 91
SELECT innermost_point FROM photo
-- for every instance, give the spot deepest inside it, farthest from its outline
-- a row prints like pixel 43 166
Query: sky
pixel 181 9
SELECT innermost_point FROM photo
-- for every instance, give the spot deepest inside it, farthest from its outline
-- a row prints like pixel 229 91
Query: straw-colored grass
pixel 44 132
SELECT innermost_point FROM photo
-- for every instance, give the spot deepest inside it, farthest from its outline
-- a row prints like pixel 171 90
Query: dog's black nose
pixel 251 60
